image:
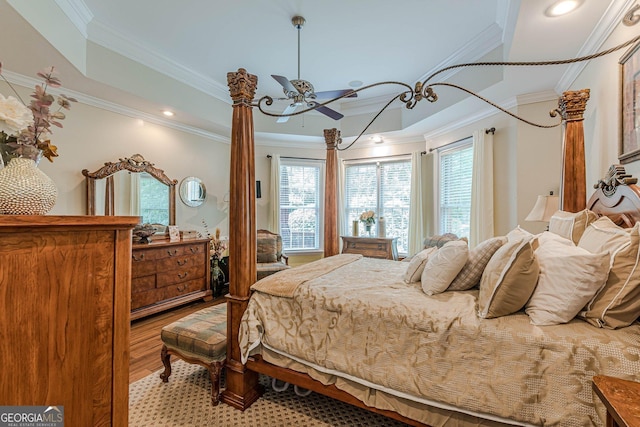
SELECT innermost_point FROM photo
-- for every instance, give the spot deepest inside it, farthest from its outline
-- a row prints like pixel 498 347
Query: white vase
pixel 25 189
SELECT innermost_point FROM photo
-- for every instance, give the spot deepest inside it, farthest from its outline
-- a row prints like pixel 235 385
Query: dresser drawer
pixel 143 283
pixel 141 299
pixel 180 262
pixel 142 268
pixel 181 275
pixel 370 247
pixel 184 288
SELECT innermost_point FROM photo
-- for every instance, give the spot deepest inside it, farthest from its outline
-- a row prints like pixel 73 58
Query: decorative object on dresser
pixel 65 315
pixel 166 274
pixel 25 189
pixel 373 247
pixel 143 232
pixel 132 195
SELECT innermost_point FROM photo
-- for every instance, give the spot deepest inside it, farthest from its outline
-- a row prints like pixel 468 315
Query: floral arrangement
pixel 217 246
pixel 368 217
pixel 23 128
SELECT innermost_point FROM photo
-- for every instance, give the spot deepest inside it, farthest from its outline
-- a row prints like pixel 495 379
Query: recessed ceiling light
pixel 355 83
pixel 562 7
pixel 167 113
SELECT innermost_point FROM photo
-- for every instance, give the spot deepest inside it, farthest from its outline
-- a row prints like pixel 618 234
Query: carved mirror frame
pixel 135 163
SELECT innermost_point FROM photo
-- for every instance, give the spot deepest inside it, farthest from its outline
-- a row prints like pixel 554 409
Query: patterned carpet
pixel 186 401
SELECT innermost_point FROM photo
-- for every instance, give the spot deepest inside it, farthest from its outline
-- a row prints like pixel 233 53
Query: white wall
pixel 602 116
pixel 92 136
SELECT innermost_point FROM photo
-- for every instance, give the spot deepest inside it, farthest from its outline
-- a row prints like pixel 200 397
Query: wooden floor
pixel 145 338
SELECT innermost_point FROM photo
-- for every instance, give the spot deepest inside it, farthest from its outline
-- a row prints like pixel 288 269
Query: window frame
pixel 461 144
pixel 402 158
pixel 320 164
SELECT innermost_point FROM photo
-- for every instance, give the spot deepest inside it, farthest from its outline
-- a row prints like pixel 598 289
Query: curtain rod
pixel 296 158
pixel 491 131
pixel 381 157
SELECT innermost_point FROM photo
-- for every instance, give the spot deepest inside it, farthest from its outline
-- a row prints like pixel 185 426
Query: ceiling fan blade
pixel 330 94
pixel 285 83
pixel 290 109
pixel 326 111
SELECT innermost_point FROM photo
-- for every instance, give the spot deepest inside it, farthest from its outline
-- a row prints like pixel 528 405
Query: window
pixel 385 188
pixel 456 170
pixel 301 204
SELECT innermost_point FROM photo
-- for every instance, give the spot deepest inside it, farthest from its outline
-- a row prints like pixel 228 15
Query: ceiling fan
pixel 301 92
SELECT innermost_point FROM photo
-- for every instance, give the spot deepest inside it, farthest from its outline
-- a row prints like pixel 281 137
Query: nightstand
pixel 621 398
pixel 373 247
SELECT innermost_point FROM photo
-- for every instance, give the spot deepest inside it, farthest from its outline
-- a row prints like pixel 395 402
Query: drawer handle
pixel 183 275
pixel 137 258
pixel 194 250
pixel 380 246
pixel 182 262
pixel 172 252
pixel 182 288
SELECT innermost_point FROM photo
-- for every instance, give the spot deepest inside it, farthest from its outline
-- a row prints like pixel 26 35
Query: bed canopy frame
pixel 242 380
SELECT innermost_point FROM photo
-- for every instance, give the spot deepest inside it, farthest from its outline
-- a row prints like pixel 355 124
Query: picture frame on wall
pixel 630 105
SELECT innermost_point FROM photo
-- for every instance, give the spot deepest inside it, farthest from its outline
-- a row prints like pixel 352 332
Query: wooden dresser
pixel 373 247
pixel 64 292
pixel 166 274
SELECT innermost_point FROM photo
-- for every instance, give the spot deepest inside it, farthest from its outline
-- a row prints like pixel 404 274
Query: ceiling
pixel 140 57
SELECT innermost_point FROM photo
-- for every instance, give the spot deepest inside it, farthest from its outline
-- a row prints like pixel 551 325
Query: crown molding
pixel 28 82
pixel 78 13
pixel 607 23
pixel 146 55
pixel 482 44
pixel 532 98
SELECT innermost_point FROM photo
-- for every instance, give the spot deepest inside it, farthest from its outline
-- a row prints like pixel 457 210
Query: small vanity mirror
pixel 192 191
pixel 132 186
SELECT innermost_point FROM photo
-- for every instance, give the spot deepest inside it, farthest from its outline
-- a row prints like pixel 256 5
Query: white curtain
pixel 416 221
pixel 342 226
pixel 274 195
pixel 481 227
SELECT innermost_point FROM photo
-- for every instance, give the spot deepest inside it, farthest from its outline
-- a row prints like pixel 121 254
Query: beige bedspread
pixel 363 322
pixel 284 283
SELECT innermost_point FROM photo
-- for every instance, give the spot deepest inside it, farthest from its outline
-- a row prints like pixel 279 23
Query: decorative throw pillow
pixel 509 279
pixel 547 236
pixel 519 234
pixel 569 277
pixel 571 225
pixel 479 256
pixel 439 241
pixel 267 248
pixel 416 265
pixel 617 304
pixel 443 266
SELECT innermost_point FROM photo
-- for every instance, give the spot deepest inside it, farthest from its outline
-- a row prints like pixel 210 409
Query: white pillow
pixel 518 234
pixel 569 277
pixel 416 265
pixel 571 225
pixel 443 266
pixel 547 236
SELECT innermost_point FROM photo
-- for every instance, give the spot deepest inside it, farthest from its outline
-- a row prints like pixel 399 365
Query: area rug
pixel 186 401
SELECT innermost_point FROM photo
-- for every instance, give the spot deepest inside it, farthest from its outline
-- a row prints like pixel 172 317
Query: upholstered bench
pixel 201 338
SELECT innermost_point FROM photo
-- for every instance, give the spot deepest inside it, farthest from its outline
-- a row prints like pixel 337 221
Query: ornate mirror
pixel 132 186
pixel 192 191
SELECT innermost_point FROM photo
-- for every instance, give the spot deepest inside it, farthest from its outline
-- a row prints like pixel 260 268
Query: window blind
pixel 300 205
pixel 456 168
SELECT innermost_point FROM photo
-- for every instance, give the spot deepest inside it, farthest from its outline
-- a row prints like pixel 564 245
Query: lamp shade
pixel 544 208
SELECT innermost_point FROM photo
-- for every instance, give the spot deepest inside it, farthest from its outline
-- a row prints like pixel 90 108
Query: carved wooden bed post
pixel 331 244
pixel 242 384
pixel 573 191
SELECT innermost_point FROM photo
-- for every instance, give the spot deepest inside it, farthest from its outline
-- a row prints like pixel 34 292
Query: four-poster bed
pixel 242 379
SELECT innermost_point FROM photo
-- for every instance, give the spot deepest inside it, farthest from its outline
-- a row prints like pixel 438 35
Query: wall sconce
pixel 544 208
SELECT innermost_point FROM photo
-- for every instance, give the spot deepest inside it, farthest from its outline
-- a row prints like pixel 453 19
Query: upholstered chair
pixel 270 256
